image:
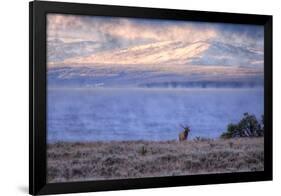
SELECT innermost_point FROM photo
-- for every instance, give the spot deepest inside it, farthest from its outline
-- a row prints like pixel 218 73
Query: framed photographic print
pixel 129 97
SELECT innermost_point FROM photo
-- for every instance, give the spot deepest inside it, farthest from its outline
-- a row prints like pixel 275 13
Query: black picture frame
pixel 37 97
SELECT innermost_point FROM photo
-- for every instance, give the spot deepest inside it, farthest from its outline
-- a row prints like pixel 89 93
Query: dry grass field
pixel 68 161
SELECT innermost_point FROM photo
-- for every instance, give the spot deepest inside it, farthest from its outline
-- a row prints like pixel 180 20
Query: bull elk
pixel 184 134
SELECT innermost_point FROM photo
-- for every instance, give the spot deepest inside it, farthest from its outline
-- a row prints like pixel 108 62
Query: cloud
pixel 105 29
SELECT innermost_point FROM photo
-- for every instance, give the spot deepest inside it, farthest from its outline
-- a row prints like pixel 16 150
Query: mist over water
pixel 105 114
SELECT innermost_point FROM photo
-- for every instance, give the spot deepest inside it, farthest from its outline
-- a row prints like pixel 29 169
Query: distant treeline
pixel 203 84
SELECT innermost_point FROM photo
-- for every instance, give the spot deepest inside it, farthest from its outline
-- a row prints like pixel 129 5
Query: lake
pixel 105 114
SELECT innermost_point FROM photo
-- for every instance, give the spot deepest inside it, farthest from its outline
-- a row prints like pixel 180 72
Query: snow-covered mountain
pixel 225 54
pixel 168 62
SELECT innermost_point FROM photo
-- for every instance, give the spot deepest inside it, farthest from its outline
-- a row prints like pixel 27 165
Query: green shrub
pixel 262 123
pixel 248 126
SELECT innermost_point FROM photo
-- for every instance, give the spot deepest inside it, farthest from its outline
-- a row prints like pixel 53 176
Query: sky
pixel 112 45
